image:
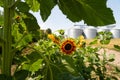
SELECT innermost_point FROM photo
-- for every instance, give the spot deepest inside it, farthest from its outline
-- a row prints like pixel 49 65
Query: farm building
pixel 90 32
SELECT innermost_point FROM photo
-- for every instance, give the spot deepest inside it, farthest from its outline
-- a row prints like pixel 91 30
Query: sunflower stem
pixel 7 48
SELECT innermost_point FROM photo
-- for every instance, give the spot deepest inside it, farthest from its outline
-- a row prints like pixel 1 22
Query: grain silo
pixel 115 32
pixel 75 32
pixel 102 29
pixel 90 32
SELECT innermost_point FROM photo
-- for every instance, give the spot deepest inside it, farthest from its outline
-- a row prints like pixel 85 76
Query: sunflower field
pixel 29 53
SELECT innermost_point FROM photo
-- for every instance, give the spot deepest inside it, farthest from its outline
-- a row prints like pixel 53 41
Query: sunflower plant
pixel 55 57
pixel 71 59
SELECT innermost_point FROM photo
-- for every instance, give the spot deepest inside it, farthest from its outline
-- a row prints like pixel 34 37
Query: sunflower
pixel 68 46
pixel 18 19
pixel 53 38
pixel 81 41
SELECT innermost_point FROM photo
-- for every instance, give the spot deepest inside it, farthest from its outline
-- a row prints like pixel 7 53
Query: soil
pixel 109 52
pixel 112 65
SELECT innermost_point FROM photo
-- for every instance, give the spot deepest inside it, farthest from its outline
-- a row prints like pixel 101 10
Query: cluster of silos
pixel 91 32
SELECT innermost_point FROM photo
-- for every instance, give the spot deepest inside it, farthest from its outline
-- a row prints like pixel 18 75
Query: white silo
pixel 115 33
pixel 102 29
pixel 90 32
pixel 75 32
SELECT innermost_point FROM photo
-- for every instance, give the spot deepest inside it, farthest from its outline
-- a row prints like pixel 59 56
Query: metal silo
pixel 115 33
pixel 75 32
pixel 102 29
pixel 90 32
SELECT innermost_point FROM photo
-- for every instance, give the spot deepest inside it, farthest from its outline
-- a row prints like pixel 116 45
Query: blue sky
pixel 59 21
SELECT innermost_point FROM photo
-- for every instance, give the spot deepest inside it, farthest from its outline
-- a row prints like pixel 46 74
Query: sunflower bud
pixel 53 38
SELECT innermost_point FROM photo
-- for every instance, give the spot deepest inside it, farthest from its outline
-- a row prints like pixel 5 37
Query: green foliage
pixel 1 36
pixel 117 47
pixel 93 12
pixel 1 19
pixel 94 42
pixel 26 18
pixel 22 9
pixel 4 77
pixel 111 58
pixel 48 31
pixel 20 39
pixel 33 4
pixel 1 3
pixel 22 74
pixel 45 8
pixel 61 32
pixel 31 22
pixel 105 37
pixel 33 66
pixel 45 60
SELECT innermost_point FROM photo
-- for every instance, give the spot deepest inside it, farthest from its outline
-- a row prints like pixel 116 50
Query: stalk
pixel 7 37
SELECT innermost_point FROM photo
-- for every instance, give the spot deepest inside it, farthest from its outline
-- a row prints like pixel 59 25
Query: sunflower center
pixel 68 46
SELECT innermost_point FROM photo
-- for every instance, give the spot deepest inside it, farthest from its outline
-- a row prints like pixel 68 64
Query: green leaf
pixel 105 42
pixel 72 9
pixel 61 31
pixel 25 40
pixel 68 76
pixel 26 67
pixel 49 74
pixel 34 62
pixel 33 4
pixel 93 12
pixel 2 77
pixel 65 76
pixel 117 47
pixel 22 7
pixel 46 7
pixel 1 3
pixel 70 61
pixel 21 29
pixel 93 42
pixel 111 57
pixel 36 65
pixel 34 56
pixel 36 35
pixel 21 75
pixel 104 37
pixel 117 68
pixel 31 22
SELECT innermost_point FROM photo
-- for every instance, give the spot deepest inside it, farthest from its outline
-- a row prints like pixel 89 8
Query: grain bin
pixel 90 32
pixel 102 29
pixel 115 33
pixel 75 32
